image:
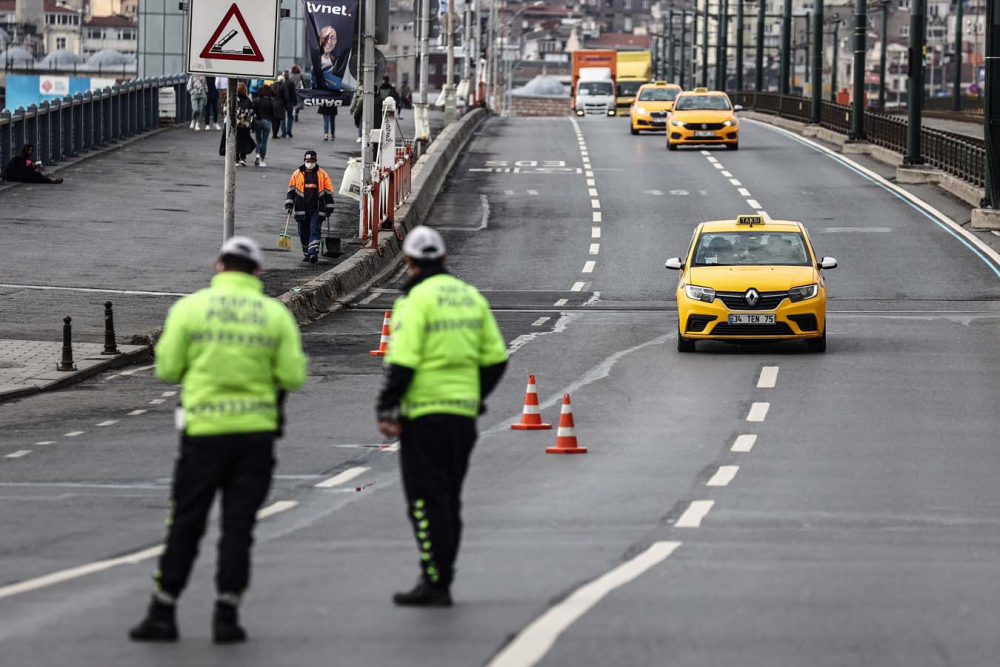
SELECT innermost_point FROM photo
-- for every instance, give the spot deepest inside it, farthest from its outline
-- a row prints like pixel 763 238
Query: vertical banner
pixel 330 29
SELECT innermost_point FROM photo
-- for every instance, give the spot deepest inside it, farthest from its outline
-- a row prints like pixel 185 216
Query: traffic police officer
pixel 233 349
pixel 445 356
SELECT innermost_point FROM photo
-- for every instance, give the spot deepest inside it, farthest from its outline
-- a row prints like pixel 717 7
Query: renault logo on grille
pixel 704 126
pixel 752 296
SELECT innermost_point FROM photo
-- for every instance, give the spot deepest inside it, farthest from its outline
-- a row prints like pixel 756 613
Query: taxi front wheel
pixel 817 344
pixel 733 147
pixel 633 130
pixel 671 147
pixel 684 344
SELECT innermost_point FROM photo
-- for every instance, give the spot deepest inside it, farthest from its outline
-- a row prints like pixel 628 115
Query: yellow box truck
pixel 634 69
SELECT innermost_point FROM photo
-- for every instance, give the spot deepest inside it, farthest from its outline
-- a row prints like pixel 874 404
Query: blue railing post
pixel 109 129
pixel 44 133
pixel 55 130
pixel 18 122
pixel 69 127
pixel 154 105
pixel 137 107
pixel 31 126
pixel 79 138
pixel 88 121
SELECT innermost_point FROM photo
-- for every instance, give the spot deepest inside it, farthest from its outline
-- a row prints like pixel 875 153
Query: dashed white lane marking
pixel 533 193
pixel 718 166
pixel 723 476
pixel 710 158
pixel 595 248
pixel 276 508
pixel 540 321
pixel 597 216
pixel 768 377
pixel 18 454
pixel 765 215
pixel 589 174
pixel 392 447
pixel 136 413
pixel 168 394
pixel 577 287
pixel 137 370
pixel 509 193
pixel 744 192
pixel 758 412
pixel 744 443
pixel 591 182
pixel 368 299
pixel 109 422
pixel 592 192
pixel 157 401
pixel 655 193
pixel 595 232
pixel 735 182
pixel 589 266
pixel 44 443
pixel 531 644
pixel 752 203
pixel 560 303
pixel 707 153
pixel 586 161
pixel 595 203
pixel 73 434
pixel 694 514
pixel 726 174
pixel 343 477
pixel 584 153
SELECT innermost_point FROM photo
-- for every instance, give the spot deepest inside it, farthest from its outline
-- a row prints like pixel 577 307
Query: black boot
pixel 226 625
pixel 424 595
pixel 160 624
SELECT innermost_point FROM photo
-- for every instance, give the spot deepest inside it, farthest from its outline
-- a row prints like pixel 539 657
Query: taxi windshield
pixel 659 95
pixel 702 103
pixel 751 248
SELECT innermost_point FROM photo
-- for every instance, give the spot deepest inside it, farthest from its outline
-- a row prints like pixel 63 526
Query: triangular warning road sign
pixel 216 47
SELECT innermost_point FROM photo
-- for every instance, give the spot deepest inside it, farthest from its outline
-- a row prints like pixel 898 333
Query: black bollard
pixel 67 352
pixel 110 347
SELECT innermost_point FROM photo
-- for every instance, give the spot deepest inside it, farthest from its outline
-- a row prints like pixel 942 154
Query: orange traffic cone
pixel 531 417
pixel 383 344
pixel 566 435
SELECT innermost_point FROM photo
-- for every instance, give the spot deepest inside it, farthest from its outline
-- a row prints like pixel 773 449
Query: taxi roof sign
pixel 701 90
pixel 750 220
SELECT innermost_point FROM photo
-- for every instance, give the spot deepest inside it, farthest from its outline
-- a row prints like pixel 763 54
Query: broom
pixel 284 240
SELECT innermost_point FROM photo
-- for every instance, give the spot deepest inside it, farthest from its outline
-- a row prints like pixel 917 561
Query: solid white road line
pixel 758 412
pixel 531 644
pixel 744 192
pixel 540 321
pixel 50 288
pixel 744 443
pixel 597 216
pixel 595 248
pixel 18 454
pixel 735 182
pixel 560 303
pixel 45 442
pixel 577 287
pixel 723 476
pixel 727 174
pixel 593 192
pixel 73 434
pixel 109 422
pixel 342 478
pixel 276 508
pixel 136 413
pixel 768 377
pixel 693 515
pixel 752 203
pixel 595 232
pixel 589 266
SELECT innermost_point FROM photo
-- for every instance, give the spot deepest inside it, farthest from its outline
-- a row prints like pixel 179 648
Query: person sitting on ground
pixel 22 169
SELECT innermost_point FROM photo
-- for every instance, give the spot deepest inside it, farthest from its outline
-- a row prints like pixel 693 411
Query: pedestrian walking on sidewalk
pixel 211 104
pixel 278 108
pixel 329 113
pixel 290 95
pixel 244 122
pixel 198 92
pixel 263 110
pixel 235 353
pixel 445 356
pixel 310 196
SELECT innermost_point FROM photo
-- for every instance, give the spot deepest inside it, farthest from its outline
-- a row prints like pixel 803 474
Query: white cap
pixel 423 243
pixel 245 248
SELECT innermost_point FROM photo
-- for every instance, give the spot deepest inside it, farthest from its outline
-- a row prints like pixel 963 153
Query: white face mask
pixel 310 165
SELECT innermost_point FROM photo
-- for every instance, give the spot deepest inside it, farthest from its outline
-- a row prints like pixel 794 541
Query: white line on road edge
pixel 744 443
pixel 735 182
pixel 964 236
pixel 531 644
pixel 108 422
pixel 694 514
pixel 73 434
pixel 343 477
pixel 136 413
pixel 744 192
pixel 768 377
pixel 560 303
pixel 588 267
pixel 758 411
pixel 595 248
pixel 92 289
pixel 577 287
pixel 595 232
pixel 540 321
pixel 727 174
pixel 753 203
pixel 18 454
pixel 45 442
pixel 597 216
pixel 723 476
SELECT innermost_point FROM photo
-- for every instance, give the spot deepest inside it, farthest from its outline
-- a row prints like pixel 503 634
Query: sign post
pixel 233 39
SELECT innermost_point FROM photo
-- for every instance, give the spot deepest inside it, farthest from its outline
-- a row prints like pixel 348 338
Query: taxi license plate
pixel 762 318
pixel 701 133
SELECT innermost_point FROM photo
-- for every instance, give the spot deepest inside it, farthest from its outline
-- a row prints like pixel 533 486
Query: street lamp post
pixel 916 83
pixel 786 47
pixel 670 35
pixel 956 100
pixel 722 31
pixel 739 45
pixel 883 54
pixel 816 109
pixel 684 25
pixel 759 54
pixel 704 48
pixel 860 51
pixel 991 109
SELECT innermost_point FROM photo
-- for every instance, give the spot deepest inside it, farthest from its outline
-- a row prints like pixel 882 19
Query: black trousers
pixel 434 455
pixel 240 466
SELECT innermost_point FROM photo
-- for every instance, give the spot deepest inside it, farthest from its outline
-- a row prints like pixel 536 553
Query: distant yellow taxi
pixel 653 103
pixel 702 116
pixel 751 279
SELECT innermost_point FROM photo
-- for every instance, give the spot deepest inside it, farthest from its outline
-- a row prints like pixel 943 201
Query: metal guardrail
pixel 75 125
pixel 956 154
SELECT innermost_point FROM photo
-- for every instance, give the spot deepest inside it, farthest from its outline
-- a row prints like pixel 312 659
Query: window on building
pixel 128 34
pixel 95 33
pixel 628 5
pixel 904 30
pixel 60 42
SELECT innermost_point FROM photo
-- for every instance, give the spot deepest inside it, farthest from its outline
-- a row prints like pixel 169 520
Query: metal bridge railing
pixel 72 126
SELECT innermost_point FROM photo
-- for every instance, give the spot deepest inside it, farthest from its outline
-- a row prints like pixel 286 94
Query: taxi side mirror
pixel 737 108
pixel 827 263
pixel 674 264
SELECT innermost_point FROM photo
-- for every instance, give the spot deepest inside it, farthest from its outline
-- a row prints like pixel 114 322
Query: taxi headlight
pixel 804 292
pixel 706 294
pixel 677 123
pixel 729 123
pixel 641 110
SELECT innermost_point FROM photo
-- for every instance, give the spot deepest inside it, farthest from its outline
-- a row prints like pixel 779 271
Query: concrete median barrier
pixel 367 266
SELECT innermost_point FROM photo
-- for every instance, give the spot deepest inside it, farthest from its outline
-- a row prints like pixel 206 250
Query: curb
pixel 953 185
pixel 368 266
pixel 119 361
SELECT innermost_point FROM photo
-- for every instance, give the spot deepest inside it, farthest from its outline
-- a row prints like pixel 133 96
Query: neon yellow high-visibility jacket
pixel 443 330
pixel 232 348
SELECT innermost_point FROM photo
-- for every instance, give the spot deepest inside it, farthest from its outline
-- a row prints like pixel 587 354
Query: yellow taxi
pixel 702 116
pixel 751 279
pixel 653 103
